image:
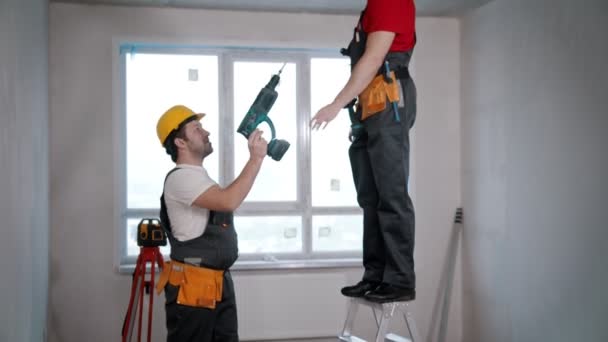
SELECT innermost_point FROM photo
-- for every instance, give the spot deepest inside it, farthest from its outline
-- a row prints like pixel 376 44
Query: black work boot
pixel 390 293
pixel 359 289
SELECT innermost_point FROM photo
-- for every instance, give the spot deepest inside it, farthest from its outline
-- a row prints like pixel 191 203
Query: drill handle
pixel 272 130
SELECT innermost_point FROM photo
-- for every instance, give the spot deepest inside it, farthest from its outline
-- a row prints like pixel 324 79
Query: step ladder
pixel 383 313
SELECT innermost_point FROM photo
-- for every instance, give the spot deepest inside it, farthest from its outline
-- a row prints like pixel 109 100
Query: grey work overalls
pixel 216 248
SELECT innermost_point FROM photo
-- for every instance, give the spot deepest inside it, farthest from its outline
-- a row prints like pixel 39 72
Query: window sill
pixel 296 264
pixel 251 265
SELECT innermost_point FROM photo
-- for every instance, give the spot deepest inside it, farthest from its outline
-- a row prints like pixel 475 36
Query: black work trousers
pixel 190 324
pixel 380 164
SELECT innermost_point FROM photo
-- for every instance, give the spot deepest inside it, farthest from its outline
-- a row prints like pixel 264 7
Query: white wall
pixel 535 161
pixel 24 181
pixel 88 297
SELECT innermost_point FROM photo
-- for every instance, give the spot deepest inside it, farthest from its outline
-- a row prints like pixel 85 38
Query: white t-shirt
pixel 182 187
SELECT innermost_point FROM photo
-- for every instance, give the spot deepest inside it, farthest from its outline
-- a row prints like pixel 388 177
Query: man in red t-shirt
pixel 380 52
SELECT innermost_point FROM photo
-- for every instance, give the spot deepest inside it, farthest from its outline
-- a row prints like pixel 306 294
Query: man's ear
pixel 179 142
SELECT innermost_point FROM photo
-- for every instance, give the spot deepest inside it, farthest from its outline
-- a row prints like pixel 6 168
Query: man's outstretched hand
pixel 324 116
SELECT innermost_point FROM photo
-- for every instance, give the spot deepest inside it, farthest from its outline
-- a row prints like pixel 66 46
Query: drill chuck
pixel 274 81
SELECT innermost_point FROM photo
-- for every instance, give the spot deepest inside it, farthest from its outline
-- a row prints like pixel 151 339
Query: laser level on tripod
pixel 150 235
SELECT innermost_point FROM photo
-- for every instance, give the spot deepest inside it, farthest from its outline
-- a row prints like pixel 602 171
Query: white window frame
pixel 303 204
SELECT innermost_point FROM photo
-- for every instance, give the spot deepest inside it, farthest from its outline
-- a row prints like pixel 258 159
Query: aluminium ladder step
pixel 383 313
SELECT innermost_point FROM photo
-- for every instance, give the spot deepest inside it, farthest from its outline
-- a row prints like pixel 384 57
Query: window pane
pixel 132 247
pixel 269 234
pixel 337 233
pixel 332 181
pixel 154 83
pixel 277 179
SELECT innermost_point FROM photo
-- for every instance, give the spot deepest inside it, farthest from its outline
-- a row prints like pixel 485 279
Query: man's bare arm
pixel 377 46
pixel 231 197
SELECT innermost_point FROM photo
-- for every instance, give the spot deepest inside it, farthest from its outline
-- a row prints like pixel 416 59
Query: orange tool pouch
pixel 373 98
pixel 198 286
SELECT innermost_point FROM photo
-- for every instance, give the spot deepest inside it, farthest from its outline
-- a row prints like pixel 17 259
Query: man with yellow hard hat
pixel 196 214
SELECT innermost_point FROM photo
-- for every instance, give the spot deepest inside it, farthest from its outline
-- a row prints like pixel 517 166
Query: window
pixel 302 208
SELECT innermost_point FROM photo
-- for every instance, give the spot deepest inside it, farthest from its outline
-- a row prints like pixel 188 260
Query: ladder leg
pixel 377 316
pixel 353 306
pixel 411 325
pixel 383 324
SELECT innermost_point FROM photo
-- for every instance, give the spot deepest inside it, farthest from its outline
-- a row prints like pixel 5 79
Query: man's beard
pixel 207 150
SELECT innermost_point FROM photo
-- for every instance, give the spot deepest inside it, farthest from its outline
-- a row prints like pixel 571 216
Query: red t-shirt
pixel 397 16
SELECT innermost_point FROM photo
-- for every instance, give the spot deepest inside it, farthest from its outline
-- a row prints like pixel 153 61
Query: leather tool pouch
pixel 198 286
pixel 374 98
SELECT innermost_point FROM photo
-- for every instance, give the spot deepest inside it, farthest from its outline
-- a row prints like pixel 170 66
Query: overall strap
pixel 164 215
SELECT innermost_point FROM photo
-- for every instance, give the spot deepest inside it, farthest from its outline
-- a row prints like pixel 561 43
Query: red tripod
pixel 147 255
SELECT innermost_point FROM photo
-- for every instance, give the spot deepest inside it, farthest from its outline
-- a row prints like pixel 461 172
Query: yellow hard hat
pixel 171 120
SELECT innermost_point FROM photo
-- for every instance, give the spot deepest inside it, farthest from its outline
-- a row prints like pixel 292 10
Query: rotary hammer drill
pixel 258 113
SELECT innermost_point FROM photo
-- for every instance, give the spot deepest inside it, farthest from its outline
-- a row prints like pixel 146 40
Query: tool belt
pixel 198 286
pixel 373 99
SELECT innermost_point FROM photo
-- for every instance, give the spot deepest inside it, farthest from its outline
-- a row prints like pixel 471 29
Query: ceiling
pixel 424 7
